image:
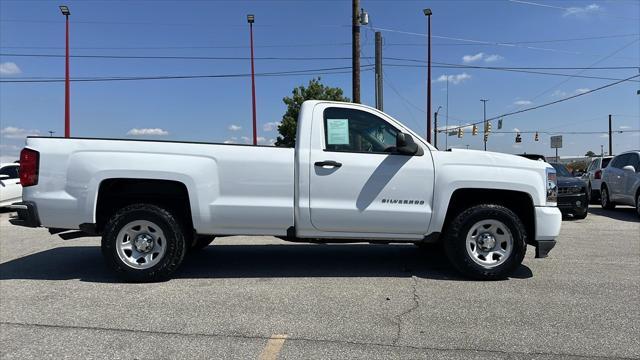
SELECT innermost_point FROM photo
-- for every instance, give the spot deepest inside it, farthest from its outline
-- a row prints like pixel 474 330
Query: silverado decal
pixel 403 202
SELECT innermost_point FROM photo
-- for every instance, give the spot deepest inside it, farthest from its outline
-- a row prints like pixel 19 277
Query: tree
pixel 314 91
pixel 590 154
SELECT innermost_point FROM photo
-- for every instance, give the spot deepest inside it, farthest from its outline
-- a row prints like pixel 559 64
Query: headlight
pixel 552 187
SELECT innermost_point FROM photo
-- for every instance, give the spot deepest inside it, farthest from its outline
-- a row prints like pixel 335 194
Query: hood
pixel 569 181
pixel 478 157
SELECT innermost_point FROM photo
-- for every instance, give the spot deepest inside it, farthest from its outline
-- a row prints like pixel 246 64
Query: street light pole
pixel 484 110
pixel 67 111
pixel 250 20
pixel 428 13
pixel 435 127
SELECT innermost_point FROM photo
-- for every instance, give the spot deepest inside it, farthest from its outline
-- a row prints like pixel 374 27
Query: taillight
pixel 29 162
pixel 597 175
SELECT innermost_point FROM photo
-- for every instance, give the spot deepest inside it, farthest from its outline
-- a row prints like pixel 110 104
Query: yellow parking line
pixel 272 349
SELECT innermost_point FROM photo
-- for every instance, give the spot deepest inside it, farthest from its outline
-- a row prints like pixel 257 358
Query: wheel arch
pixel 520 202
pixel 116 193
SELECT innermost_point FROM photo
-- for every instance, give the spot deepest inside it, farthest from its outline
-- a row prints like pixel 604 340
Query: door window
pixel 353 130
pixel 619 161
pixel 12 171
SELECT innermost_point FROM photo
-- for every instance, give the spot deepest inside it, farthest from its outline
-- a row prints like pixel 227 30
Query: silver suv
pixel 621 181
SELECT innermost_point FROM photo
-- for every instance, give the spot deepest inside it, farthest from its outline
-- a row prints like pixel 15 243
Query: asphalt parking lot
pixel 259 297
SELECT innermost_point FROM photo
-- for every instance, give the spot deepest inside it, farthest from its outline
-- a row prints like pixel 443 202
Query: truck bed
pixel 227 183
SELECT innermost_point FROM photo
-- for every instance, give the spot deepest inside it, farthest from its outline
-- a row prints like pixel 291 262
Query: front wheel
pixel 486 242
pixel 143 243
pixel 605 200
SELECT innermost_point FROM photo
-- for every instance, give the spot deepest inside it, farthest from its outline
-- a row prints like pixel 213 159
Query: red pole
pixel 67 121
pixel 253 88
pixel 429 79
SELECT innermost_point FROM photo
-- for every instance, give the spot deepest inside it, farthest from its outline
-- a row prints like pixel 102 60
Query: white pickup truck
pixel 355 175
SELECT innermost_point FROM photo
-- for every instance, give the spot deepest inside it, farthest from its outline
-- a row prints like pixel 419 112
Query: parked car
pixel 593 176
pixel 10 188
pixel 621 181
pixel 355 174
pixel 572 193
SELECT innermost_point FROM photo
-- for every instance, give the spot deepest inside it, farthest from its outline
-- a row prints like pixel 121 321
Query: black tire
pixel 201 241
pixel 638 204
pixel 455 241
pixel 605 200
pixel 173 236
pixel 581 213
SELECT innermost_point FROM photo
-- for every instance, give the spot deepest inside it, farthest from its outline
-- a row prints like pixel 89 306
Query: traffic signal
pixel 486 137
pixel 460 132
pixel 518 138
pixel 474 130
pixel 489 127
pixel 499 124
pixel 536 138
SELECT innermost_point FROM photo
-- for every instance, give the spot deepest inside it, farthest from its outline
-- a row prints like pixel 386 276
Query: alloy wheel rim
pixel 141 244
pixel 489 243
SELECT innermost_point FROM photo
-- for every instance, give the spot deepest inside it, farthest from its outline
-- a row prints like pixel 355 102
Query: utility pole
pixel 428 13
pixel 435 127
pixel 446 126
pixel 379 98
pixel 484 107
pixel 601 150
pixel 610 137
pixel 67 102
pixel 355 50
pixel 250 20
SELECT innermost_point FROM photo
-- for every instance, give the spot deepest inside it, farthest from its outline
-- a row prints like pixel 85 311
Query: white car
pixel 10 188
pixel 621 181
pixel 355 174
pixel 593 175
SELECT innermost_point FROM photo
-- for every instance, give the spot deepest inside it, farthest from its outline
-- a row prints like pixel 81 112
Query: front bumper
pixel 572 203
pixel 27 214
pixel 548 222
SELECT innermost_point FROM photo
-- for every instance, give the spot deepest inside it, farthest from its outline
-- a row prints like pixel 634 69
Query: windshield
pixel 561 170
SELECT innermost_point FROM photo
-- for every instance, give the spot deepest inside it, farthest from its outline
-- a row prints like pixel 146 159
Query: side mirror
pixel 405 144
pixel 629 168
pixel 4 176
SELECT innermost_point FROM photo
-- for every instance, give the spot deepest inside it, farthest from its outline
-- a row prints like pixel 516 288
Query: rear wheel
pixel 605 200
pixel 486 242
pixel 143 243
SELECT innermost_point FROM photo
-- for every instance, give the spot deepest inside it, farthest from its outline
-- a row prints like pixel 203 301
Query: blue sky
pixel 219 109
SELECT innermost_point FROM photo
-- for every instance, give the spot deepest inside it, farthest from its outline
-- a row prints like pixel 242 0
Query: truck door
pixel 358 184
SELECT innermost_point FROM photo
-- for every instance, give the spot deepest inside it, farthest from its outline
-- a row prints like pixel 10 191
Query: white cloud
pixel 604 135
pixel 522 102
pixel 245 139
pixel 270 126
pixel 454 79
pixel 234 127
pixel 9 68
pixel 559 93
pixel 582 90
pixel 229 142
pixel 493 58
pixel 12 132
pixel 147 132
pixel 481 56
pixel 582 11
pixel 516 129
pixel 472 58
pixel 624 127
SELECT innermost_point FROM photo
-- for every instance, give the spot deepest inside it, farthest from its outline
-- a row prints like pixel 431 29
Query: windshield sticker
pixel 338 131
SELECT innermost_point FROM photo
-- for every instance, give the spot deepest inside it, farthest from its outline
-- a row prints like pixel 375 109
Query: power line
pixel 571 10
pixel 304 44
pixel 522 42
pixel 335 70
pixel 315 58
pixel 510 70
pixel 547 104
